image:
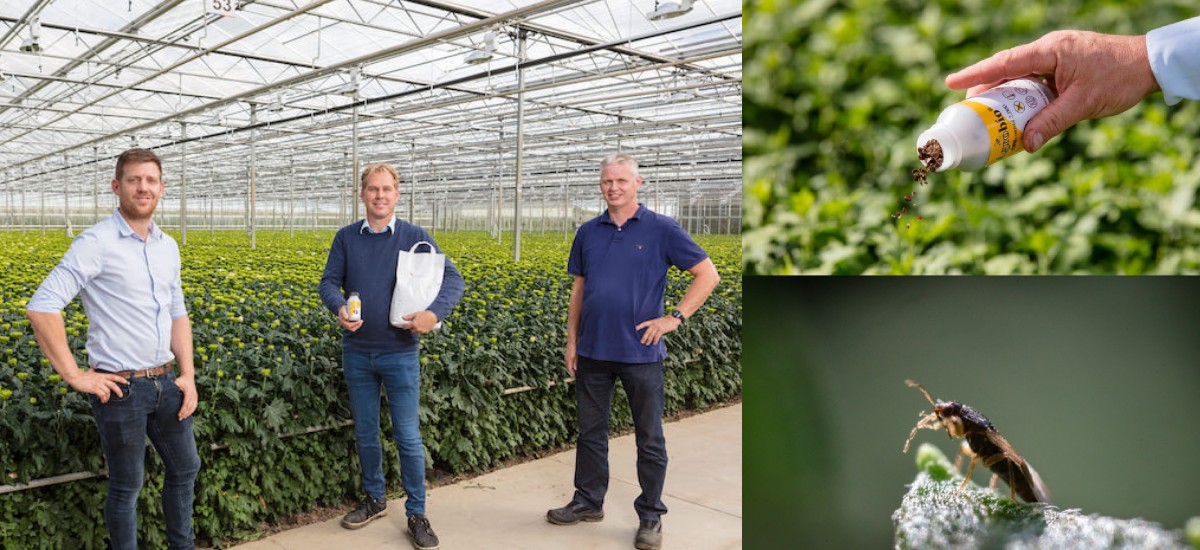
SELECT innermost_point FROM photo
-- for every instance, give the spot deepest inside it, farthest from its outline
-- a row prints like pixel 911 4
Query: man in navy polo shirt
pixel 615 329
pixel 375 354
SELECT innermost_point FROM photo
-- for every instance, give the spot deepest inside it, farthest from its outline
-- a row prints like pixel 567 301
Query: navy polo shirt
pixel 625 277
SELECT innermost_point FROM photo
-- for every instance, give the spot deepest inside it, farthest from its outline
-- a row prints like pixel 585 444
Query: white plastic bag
pixel 418 281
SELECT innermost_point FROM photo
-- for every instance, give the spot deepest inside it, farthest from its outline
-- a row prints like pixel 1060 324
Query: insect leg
pixel 963 450
pixel 923 424
pixel 1012 489
pixel 970 469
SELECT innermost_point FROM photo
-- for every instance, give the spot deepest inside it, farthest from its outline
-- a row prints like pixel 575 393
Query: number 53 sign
pixel 223 7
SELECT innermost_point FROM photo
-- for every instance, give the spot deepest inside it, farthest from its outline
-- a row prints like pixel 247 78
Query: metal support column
pixel 291 196
pixel 412 181
pixel 67 203
pixel 354 162
pixel 500 187
pixel 253 173
pixel 183 184
pixel 96 184
pixel 521 39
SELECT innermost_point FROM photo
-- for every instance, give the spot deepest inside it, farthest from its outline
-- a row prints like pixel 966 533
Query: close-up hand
pixel 101 384
pixel 421 322
pixel 1095 75
pixel 344 320
pixel 657 328
pixel 191 397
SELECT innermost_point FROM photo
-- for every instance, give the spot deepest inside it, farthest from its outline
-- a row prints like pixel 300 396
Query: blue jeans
pixel 147 406
pixel 400 375
pixel 595 382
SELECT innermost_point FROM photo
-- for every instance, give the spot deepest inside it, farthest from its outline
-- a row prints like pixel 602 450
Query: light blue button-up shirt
pixel 130 288
pixel 390 228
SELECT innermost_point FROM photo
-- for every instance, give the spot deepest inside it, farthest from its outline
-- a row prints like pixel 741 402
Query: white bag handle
pixel 412 251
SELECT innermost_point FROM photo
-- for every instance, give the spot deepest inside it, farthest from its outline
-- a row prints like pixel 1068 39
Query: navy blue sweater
pixel 365 263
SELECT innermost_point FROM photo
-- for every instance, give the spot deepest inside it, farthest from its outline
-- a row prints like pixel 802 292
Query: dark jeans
pixel 147 406
pixel 400 375
pixel 594 385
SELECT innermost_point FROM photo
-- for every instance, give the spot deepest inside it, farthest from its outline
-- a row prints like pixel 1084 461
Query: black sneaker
pixel 573 513
pixel 422 534
pixel 369 510
pixel 649 535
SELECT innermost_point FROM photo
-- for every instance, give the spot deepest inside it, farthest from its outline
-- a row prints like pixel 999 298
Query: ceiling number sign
pixel 224 8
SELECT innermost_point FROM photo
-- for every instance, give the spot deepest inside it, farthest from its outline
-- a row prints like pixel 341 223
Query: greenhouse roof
pixel 301 93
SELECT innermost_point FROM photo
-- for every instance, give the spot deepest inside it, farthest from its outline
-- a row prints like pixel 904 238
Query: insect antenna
pixel 913 384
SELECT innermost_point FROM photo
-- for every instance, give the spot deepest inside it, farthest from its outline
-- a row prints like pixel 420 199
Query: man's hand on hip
pixel 657 328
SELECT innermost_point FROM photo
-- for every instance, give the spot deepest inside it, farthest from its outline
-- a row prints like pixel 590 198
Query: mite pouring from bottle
pixel 983 129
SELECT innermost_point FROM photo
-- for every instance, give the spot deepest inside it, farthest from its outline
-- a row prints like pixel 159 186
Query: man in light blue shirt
pixel 127 273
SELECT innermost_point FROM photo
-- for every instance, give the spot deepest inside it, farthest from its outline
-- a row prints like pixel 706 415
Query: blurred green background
pixel 1095 381
pixel 837 92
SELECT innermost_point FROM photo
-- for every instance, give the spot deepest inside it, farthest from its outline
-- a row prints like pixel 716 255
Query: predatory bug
pixel 985 443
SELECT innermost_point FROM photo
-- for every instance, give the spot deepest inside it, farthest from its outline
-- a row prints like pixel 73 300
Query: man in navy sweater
pixel 362 259
pixel 615 331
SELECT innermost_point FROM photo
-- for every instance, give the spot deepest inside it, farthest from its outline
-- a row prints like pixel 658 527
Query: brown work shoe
pixel 649 535
pixel 573 513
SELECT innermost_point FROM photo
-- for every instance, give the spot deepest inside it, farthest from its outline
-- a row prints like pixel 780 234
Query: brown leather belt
pixel 152 372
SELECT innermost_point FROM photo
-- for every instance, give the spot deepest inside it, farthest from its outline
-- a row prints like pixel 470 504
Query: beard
pixel 134 210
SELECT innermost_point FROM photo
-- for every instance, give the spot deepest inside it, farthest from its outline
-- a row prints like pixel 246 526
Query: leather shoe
pixel 573 513
pixel 649 535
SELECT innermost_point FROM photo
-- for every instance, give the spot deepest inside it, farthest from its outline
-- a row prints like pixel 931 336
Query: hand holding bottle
pixel 1095 75
pixel 344 320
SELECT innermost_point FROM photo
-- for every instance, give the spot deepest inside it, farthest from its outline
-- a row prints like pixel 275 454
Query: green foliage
pixel 837 92
pixel 268 362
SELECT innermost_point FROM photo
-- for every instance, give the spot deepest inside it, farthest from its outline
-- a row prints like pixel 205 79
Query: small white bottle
pixel 981 130
pixel 354 307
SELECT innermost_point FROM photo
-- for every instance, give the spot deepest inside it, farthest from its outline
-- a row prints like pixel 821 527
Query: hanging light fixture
pixel 484 55
pixel 667 10
pixel 33 43
pixel 350 89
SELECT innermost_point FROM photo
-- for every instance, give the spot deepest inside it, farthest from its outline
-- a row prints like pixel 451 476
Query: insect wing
pixel 1036 486
pixel 1035 482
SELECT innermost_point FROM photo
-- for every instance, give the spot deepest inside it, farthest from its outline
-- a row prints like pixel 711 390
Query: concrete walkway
pixel 507 508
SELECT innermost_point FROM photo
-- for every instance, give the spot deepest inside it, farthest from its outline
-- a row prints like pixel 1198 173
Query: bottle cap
pixel 951 150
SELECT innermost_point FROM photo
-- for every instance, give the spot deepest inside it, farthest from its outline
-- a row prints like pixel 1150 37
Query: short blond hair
pixel 376 168
pixel 621 158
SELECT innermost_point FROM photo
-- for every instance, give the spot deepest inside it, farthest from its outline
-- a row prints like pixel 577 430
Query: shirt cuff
pixel 1174 54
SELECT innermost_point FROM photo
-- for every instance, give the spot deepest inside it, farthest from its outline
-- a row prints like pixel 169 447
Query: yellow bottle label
pixel 1003 136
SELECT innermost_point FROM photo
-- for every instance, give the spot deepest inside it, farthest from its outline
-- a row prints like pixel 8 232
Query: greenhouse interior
pixel 496 114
